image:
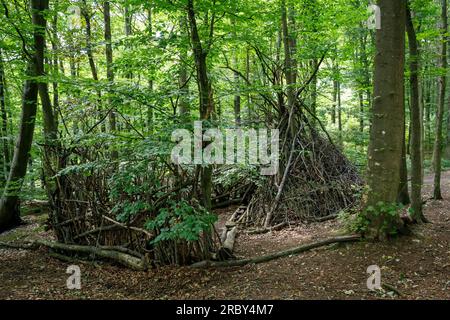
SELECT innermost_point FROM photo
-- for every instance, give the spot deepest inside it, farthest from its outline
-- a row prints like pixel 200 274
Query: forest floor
pixel 417 266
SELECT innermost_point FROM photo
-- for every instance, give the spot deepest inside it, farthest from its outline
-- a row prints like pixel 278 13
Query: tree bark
pixel 415 122
pixel 55 46
pixel 128 32
pixel 183 78
pixel 150 114
pixel 205 93
pixel 87 15
pixel 237 97
pixel 387 131
pixel 9 203
pixel 403 192
pixel 442 81
pixel 109 65
pixel 4 126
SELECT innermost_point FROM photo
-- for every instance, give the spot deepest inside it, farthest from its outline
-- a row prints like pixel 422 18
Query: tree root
pixel 280 254
pixel 122 258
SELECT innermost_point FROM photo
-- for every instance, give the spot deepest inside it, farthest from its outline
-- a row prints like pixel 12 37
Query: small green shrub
pixel 386 213
pixel 181 220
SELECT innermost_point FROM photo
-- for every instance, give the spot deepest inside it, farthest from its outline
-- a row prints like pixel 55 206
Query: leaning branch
pixel 280 254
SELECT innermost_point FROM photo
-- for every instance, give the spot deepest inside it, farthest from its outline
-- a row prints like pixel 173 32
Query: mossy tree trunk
pixel 9 203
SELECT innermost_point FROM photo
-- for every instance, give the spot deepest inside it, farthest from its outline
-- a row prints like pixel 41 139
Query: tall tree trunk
pixel 247 75
pixel 4 125
pixel 366 77
pixel 335 84
pixel 150 114
pixel 289 70
pixel 9 203
pixel 437 150
pixel 205 93
pixel 314 90
pixel 55 46
pixel 183 77
pixel 128 32
pixel 109 67
pixel 387 131
pixel 361 111
pixel 334 105
pixel 87 15
pixel 415 122
pixel 339 109
pixel 50 125
pixel 427 114
pixel 88 29
pixel 237 97
pixel 403 193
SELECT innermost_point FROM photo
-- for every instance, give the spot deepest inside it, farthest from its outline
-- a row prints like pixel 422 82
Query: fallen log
pixel 273 256
pixel 124 259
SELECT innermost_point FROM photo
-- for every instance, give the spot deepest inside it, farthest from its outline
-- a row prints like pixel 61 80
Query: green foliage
pixel 181 221
pixel 383 216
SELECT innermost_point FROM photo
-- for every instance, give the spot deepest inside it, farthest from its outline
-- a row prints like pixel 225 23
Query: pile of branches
pixel 314 182
pixel 106 205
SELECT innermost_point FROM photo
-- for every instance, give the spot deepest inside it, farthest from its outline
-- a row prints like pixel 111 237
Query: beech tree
pixel 387 132
pixel 9 202
pixel 442 82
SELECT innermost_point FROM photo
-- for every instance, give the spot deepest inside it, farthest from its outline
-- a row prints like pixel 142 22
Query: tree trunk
pixel 183 78
pixel 4 126
pixel 150 114
pixel 9 203
pixel 247 75
pixel 403 193
pixel 335 68
pixel 366 77
pixel 205 93
pixel 109 61
pixel 387 131
pixel 415 122
pixel 361 111
pixel 55 46
pixel 237 97
pixel 339 109
pixel 128 32
pixel 50 125
pixel 109 67
pixel 87 15
pixel 437 150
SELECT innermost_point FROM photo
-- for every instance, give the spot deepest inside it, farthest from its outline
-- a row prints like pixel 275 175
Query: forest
pixel 224 149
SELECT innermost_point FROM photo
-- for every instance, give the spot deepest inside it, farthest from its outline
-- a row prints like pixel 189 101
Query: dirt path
pixel 418 266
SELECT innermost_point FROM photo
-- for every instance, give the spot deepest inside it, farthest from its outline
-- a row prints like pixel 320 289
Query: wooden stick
pixel 273 256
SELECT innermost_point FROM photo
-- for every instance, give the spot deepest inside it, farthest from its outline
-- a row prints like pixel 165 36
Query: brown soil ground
pixel 417 266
